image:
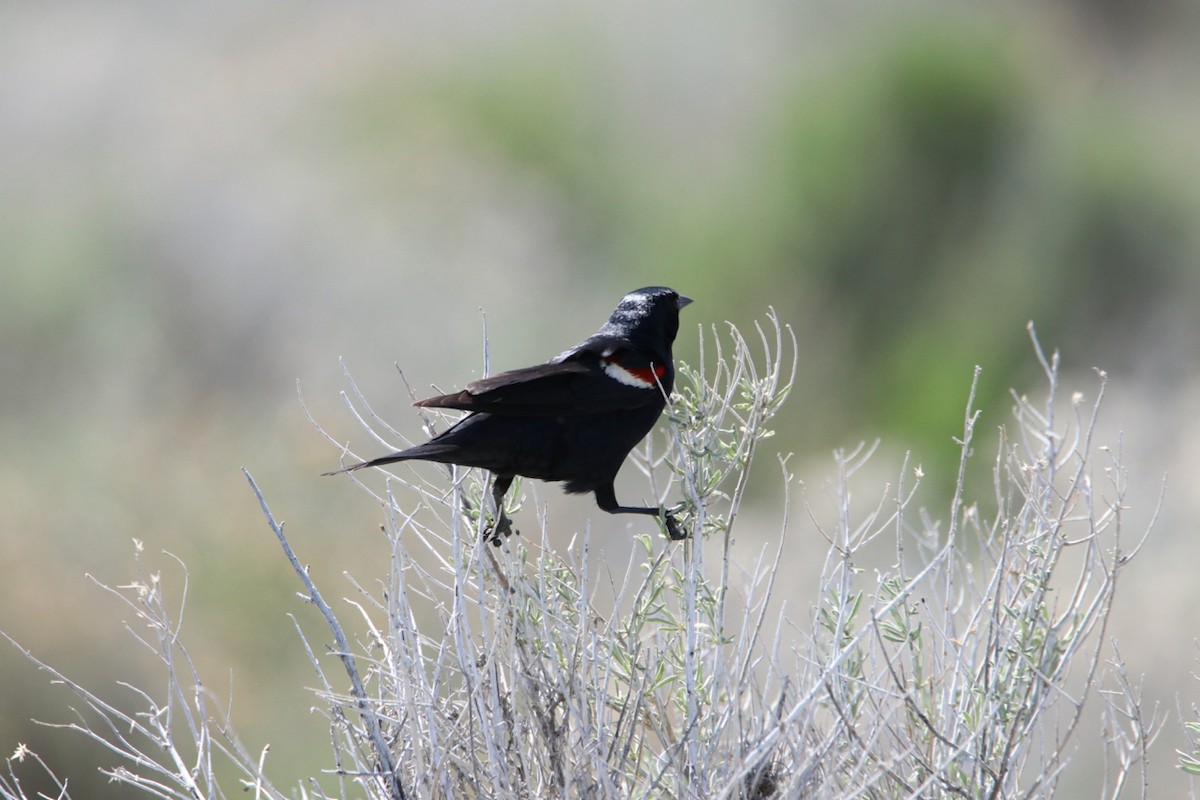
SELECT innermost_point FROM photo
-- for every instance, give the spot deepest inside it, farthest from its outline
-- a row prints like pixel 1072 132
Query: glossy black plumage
pixel 573 419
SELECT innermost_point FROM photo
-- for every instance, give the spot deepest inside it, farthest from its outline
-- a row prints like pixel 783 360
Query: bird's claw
pixel 499 531
pixel 672 525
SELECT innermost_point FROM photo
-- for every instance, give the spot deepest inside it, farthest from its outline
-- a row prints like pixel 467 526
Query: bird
pixel 573 419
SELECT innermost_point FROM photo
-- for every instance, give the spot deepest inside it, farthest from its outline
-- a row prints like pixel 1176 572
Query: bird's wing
pixel 579 383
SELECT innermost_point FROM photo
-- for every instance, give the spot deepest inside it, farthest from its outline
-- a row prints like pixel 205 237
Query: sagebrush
pixel 959 666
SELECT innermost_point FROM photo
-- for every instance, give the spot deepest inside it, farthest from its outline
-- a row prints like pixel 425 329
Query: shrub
pixel 962 668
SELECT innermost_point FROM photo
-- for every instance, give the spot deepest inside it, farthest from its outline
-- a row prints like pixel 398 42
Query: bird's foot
pixel 499 530
pixel 674 532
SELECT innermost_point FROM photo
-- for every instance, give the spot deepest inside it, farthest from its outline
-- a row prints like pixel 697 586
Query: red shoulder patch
pixel 638 377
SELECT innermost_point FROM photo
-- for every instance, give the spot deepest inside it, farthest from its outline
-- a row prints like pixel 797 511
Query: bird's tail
pixel 430 451
pixel 403 455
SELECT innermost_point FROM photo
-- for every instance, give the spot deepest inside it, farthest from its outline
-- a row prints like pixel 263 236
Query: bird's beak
pixel 683 301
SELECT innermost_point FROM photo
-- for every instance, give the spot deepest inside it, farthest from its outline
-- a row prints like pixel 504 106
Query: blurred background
pixel 204 205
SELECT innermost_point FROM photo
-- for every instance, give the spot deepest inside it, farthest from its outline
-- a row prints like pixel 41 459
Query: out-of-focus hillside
pixel 202 205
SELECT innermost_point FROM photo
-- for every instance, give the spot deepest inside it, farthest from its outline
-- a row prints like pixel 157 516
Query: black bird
pixel 573 419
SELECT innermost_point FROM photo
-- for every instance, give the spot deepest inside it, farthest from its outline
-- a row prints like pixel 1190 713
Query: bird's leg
pixel 606 498
pixel 502 527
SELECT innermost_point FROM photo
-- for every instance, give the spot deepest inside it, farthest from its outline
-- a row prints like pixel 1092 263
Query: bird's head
pixel 648 316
